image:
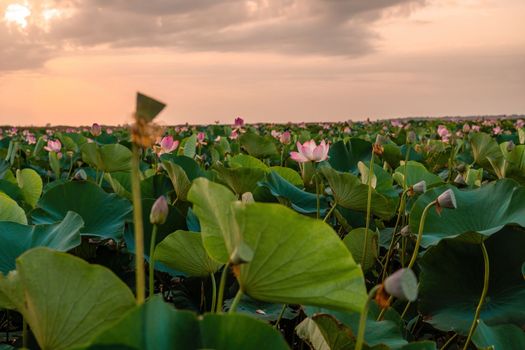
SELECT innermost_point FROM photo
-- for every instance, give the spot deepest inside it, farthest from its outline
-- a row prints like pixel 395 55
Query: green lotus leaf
pixel 501 337
pixel 484 211
pixel 392 154
pixel 451 282
pixel 289 175
pixel 246 161
pixel 147 108
pixel 385 334
pixel 301 201
pixel 30 185
pixel 103 214
pixel 211 204
pixel 189 146
pixel 487 153
pixel 355 241
pixel 262 310
pixel 323 332
pixel 516 163
pixel 17 238
pixel 184 251
pixel 107 158
pixel 345 156
pixel 240 180
pixel 305 264
pixel 11 190
pixel 414 173
pixel 258 146
pixel 351 193
pixel 157 325
pixel 65 299
pixel 10 211
pixel 382 182
pixel 178 178
pixel 189 165
pixel 154 186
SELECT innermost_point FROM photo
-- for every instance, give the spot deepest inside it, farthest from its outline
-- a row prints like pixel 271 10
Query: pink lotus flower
pixel 285 138
pixel 30 139
pixel 475 128
pixel 520 123
pixel 466 128
pixel 396 123
pixel 239 122
pixel 234 135
pixel 109 131
pixel 53 146
pixel 275 134
pixel 96 130
pixel 443 133
pixel 309 151
pixel 201 137
pixel 497 130
pixel 166 145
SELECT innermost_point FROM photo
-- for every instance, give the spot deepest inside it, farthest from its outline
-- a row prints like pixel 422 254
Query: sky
pixel 75 62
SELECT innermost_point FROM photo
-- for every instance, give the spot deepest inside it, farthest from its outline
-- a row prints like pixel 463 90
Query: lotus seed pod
pixel 420 187
pixel 447 200
pixel 460 180
pixel 247 198
pixel 80 175
pixel 402 284
pixel 159 211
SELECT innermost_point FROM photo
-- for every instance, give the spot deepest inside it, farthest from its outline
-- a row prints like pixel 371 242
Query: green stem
pixel 483 294
pixel 101 179
pixel 235 301
pixel 329 212
pixel 405 310
pixel 448 342
pixel 391 247
pixel 362 319
pixel 151 276
pixel 317 195
pixel 221 287
pixel 70 168
pixel 368 207
pixel 420 233
pixel 24 333
pixel 214 292
pixel 276 325
pixel 140 278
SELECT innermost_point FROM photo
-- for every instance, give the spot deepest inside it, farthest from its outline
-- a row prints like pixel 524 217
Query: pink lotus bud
pixel 420 187
pixel 402 284
pixel 447 199
pixel 239 122
pixel 159 211
pixel 285 138
pixel 53 146
pixel 80 175
pixel 96 130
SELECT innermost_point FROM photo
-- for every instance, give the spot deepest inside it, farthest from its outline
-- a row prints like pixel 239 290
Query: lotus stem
pixel 317 196
pixel 401 209
pixel 276 325
pixel 483 294
pixel 368 207
pixel 329 212
pixel 235 302
pixel 140 278
pixel 151 276
pixel 213 292
pixel 362 319
pixel 448 342
pixel 24 333
pixel 221 287
pixel 420 233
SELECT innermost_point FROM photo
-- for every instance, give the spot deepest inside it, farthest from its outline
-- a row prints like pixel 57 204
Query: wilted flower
pixel 285 138
pixel 310 151
pixel 159 211
pixel 53 146
pixel 167 145
pixel 96 130
pixel 402 284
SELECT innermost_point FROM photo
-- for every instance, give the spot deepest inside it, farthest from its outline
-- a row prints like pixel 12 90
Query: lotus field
pixel 366 235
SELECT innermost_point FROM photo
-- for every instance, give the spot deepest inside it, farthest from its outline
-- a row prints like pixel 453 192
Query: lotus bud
pixel 380 139
pixel 420 187
pixel 96 130
pixel 510 146
pixel 402 284
pixel 159 211
pixel 405 231
pixel 247 198
pixel 460 180
pixel 80 175
pixel 461 168
pixel 411 137
pixel 447 200
pixel 242 254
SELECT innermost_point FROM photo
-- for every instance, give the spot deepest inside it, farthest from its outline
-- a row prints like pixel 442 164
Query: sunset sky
pixel 81 61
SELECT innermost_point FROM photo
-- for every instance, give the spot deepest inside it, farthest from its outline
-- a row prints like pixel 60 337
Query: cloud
pixel 293 27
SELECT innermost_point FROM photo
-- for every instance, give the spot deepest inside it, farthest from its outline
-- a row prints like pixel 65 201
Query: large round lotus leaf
pixel 184 251
pixel 385 334
pixel 351 193
pixel 108 158
pixel 156 325
pixel 289 175
pixel 345 156
pixel 485 211
pixel 10 211
pixel 30 185
pixel 246 161
pixel 306 263
pixel 240 180
pixel 502 337
pixel 382 182
pixel 486 151
pixel 103 214
pixel 302 201
pixel 189 146
pixel 11 189
pixel 64 299
pixel 258 146
pixel 413 172
pixel 178 178
pixel 355 241
pixel 155 186
pixel 211 204
pixel 17 238
pixel 451 282
pixel 190 166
